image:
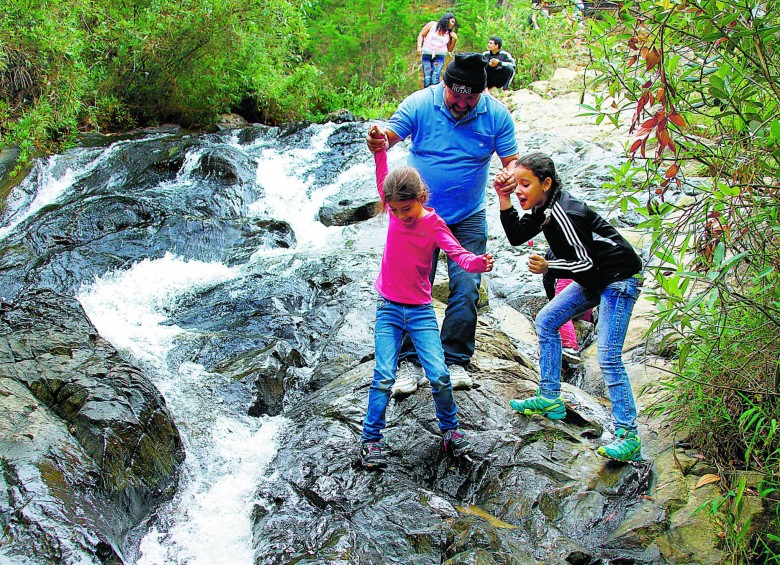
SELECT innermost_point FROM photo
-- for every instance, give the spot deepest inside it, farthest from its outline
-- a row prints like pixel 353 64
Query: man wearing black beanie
pixel 466 74
pixel 454 131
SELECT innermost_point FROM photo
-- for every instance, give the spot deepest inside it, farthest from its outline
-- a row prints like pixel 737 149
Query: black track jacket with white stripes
pixel 587 248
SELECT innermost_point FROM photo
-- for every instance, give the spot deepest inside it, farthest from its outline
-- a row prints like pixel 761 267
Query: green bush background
pixel 69 66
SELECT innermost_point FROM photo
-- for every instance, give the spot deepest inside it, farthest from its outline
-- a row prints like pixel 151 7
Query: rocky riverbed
pixel 278 327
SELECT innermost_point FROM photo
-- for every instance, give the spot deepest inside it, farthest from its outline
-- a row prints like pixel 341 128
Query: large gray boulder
pixel 87 445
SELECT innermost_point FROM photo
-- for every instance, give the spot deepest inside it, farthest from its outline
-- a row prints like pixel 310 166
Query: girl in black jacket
pixel 605 271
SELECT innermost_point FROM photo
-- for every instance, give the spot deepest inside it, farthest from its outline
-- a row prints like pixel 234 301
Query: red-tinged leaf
pixel 635 145
pixel 658 191
pixel 652 59
pixel 663 140
pixel 633 43
pixel 651 123
pixel 642 132
pixel 719 41
pixel 643 52
pixel 677 120
pixel 671 172
pixel 661 95
pixel 648 84
pixel 644 146
pixel 651 99
pixel 677 182
pixel 640 105
pixel 665 182
pixel 631 61
pixel 672 146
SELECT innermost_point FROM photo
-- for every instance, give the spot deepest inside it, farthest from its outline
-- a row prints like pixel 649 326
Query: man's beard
pixel 457 114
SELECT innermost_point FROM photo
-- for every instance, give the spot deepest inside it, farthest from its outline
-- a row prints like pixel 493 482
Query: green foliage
pixel 369 48
pixel 69 65
pixel 699 79
pixel 366 41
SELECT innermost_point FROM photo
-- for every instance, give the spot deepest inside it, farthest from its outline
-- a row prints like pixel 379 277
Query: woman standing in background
pixel 433 42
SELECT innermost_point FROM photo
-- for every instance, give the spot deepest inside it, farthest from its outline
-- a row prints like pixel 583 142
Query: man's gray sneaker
pixel 459 377
pixel 406 378
pixel 571 356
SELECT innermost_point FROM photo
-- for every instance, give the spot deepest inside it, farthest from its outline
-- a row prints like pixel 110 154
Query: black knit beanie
pixel 466 74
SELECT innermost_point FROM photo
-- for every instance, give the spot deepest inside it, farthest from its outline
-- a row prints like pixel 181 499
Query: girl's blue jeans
pixel 615 302
pixel 431 68
pixel 459 327
pixel 392 319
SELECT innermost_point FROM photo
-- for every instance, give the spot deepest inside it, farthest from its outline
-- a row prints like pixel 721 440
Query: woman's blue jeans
pixel 431 68
pixel 392 320
pixel 615 302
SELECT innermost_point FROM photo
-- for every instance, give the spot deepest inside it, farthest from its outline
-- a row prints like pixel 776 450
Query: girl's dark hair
pixel 403 183
pixel 542 167
pixel 444 22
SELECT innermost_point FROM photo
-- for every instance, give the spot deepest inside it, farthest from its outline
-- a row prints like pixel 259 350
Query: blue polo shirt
pixel 453 156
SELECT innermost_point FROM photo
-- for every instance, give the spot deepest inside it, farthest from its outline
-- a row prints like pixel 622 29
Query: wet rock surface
pixel 87 447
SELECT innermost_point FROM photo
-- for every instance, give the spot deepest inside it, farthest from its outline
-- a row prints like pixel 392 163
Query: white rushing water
pixel 210 516
pixel 53 177
pixel 227 451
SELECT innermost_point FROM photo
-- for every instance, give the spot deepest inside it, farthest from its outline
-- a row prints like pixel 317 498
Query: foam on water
pixel 52 184
pixel 55 176
pixel 227 451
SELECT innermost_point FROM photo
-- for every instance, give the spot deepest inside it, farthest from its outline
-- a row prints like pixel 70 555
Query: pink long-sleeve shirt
pixel 408 255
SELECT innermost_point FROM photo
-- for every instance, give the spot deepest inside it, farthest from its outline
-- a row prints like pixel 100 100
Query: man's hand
pixel 376 139
pixel 537 265
pixel 493 62
pixel 505 182
pixel 385 140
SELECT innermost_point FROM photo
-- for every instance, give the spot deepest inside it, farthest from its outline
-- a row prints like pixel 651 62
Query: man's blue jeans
pixel 392 320
pixel 615 302
pixel 431 69
pixel 459 328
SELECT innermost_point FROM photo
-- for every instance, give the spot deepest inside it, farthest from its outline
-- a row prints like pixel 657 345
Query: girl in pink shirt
pixel 405 304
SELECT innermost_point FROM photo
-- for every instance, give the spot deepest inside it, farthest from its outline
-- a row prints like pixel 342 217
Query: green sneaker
pixel 626 447
pixel 554 409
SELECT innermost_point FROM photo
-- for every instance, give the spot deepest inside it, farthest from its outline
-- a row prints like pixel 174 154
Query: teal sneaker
pixel 626 447
pixel 554 409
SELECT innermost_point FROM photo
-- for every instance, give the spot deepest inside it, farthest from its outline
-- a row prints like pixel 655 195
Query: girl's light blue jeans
pixel 392 319
pixel 615 302
pixel 431 68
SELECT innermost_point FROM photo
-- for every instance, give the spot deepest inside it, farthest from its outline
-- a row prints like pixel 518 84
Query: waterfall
pixel 207 262
pixel 226 450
